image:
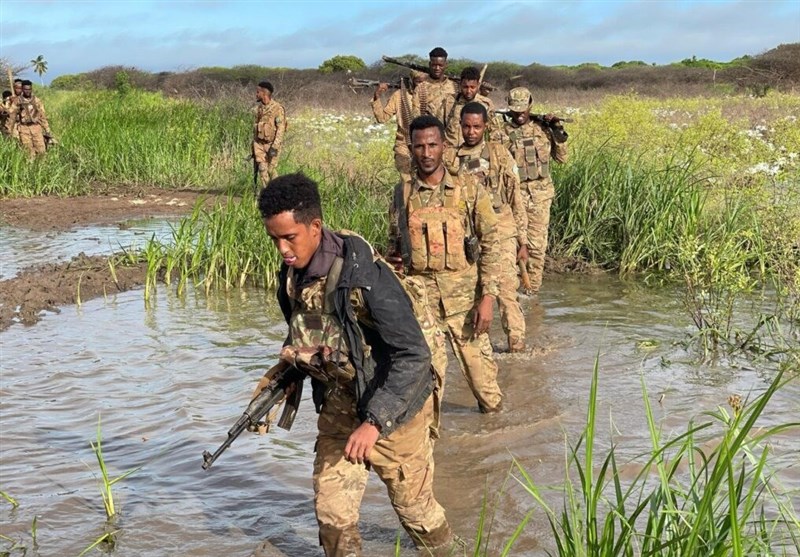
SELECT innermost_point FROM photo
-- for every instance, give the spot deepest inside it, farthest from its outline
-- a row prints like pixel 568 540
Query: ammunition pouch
pixel 472 249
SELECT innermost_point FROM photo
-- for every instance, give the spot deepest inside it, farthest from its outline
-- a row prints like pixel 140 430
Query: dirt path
pixel 46 287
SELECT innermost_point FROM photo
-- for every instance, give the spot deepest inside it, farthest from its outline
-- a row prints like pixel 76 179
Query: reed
pixel 727 501
pixel 106 481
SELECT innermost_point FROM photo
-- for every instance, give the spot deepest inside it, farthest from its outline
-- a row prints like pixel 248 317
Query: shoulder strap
pixel 329 305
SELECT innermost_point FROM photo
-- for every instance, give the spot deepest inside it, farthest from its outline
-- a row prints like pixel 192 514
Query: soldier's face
pixel 520 118
pixel 469 88
pixel 262 95
pixel 437 67
pixel 296 242
pixel 427 146
pixel 472 128
pixel 17 89
pixel 27 91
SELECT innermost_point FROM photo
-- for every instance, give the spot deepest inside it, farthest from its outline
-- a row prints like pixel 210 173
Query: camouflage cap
pixel 519 99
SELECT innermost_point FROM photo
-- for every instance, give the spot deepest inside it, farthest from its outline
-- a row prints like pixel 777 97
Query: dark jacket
pixel 395 379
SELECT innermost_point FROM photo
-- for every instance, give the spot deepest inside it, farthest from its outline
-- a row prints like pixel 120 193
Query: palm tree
pixel 39 66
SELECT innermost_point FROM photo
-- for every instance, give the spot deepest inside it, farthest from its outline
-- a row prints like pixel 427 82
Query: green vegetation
pixel 342 64
pixel 687 499
pixel 107 482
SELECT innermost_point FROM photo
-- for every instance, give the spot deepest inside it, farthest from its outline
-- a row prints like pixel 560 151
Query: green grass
pixel 106 481
pixel 687 499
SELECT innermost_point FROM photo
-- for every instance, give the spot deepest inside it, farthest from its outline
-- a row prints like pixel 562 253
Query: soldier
pixel 352 328
pixel 444 229
pixel 436 95
pixel 400 105
pixel 17 92
pixel 27 115
pixel 533 146
pixel 470 85
pixel 494 167
pixel 4 113
pixel 268 132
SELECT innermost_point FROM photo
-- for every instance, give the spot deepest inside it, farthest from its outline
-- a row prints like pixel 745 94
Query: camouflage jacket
pixel 435 98
pixel 393 376
pixel 26 112
pixel 453 122
pixel 494 167
pixel 270 125
pixel 394 107
pixel 532 147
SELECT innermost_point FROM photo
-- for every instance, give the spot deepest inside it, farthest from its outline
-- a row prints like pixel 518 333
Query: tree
pixel 342 64
pixel 39 65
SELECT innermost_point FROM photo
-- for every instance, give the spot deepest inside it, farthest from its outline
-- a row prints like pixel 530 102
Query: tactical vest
pixel 437 232
pixel 486 168
pixel 267 122
pixel 532 154
pixel 318 344
pixel 28 111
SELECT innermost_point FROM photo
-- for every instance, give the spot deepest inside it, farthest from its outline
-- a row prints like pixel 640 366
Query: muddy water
pixel 169 379
pixel 23 248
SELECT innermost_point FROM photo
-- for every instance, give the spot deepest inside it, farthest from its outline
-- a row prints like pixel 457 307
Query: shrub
pixel 342 64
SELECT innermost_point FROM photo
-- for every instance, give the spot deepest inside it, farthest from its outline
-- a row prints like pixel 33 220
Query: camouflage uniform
pixel 453 123
pixel 492 164
pixel 533 147
pixel 401 106
pixel 435 98
pixel 4 117
pixel 27 120
pixel 268 132
pixel 437 219
pixel 367 359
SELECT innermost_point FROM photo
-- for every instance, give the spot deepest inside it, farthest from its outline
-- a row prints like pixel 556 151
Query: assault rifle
pixel 553 123
pixel 485 86
pixel 269 396
pixel 356 83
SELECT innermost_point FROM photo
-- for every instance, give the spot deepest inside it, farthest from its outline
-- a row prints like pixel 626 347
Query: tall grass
pixel 106 481
pixel 687 499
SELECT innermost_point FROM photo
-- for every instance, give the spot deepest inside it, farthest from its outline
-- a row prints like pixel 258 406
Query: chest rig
pixel 530 146
pixel 436 228
pixel 318 344
pixel 28 111
pixel 485 167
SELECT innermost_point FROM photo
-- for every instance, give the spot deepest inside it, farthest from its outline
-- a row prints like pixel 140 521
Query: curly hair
pixel 424 122
pixel 438 52
pixel 295 193
pixel 266 85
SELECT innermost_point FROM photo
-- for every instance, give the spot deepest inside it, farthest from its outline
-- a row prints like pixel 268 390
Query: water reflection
pixel 170 377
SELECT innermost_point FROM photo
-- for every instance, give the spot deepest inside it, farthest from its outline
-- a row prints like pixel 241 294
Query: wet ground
pixel 170 377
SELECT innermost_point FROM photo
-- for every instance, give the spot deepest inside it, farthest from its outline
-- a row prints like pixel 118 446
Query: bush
pixel 342 64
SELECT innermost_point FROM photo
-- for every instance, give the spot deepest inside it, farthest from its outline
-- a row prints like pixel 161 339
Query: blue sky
pixel 76 36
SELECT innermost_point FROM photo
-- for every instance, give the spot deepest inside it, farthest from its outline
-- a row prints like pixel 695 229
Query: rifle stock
pixel 271 395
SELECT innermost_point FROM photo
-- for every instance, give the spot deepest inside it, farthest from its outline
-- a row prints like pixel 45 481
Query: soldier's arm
pixel 486 222
pixel 13 111
pixel 42 116
pixel 392 317
pixel 558 151
pixel 280 129
pixel 515 199
pixel 384 114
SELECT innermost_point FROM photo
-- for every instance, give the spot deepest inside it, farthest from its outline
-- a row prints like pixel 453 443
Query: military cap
pixel 519 99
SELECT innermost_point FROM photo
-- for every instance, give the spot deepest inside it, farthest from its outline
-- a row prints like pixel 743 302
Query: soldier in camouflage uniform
pixel 470 87
pixel 493 165
pixel 352 328
pixel 4 113
pixel 443 227
pixel 435 96
pixel 27 119
pixel 533 147
pixel 268 132
pixel 401 106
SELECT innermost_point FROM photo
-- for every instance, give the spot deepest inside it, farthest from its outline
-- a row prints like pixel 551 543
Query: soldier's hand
pixel 482 315
pixel 360 443
pixel 272 152
pixel 395 261
pixel 551 118
pixel 522 253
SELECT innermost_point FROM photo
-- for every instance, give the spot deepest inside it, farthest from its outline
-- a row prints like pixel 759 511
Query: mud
pixel 44 288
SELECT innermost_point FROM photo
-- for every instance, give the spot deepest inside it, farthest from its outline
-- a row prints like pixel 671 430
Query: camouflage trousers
pixel 404 462
pixel 32 139
pixel 511 317
pixel 538 196
pixel 267 165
